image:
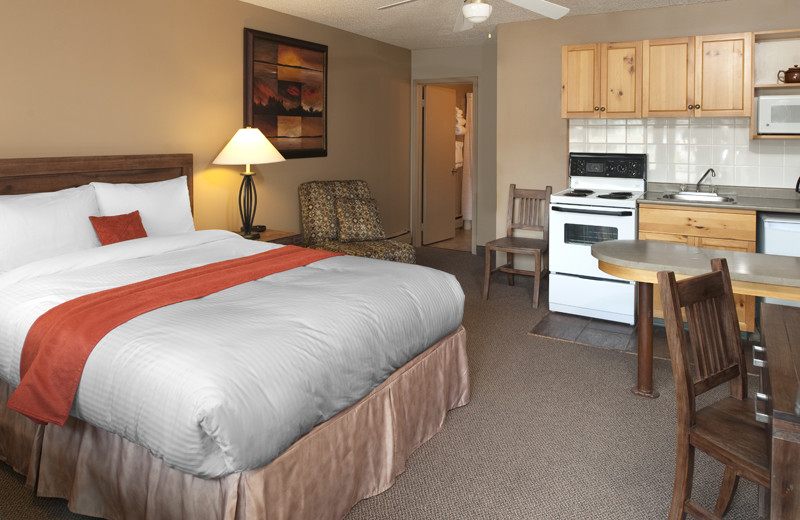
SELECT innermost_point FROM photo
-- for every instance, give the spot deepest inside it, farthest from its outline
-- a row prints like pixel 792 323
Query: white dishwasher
pixel 779 234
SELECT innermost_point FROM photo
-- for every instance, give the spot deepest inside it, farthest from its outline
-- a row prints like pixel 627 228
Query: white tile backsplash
pixel 616 134
pixel 680 150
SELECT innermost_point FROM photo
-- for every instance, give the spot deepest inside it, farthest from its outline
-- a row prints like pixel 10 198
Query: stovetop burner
pixel 578 193
pixel 617 195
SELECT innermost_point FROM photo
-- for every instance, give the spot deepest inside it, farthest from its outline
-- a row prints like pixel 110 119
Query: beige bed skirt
pixel 356 454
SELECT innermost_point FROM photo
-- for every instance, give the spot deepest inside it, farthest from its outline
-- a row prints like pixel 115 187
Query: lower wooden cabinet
pixel 711 228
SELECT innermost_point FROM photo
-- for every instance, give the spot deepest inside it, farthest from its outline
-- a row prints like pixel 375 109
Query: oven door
pixel 573 230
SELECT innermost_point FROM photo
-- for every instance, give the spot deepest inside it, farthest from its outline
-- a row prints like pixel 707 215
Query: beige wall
pixel 531 136
pixel 92 77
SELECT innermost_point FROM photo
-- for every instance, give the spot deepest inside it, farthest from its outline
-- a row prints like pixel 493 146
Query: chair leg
pixel 510 262
pixel 729 482
pixel 537 279
pixel 487 273
pixel 684 474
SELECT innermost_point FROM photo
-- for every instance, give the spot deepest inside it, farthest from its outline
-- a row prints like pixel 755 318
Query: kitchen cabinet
pixel 773 51
pixel 601 80
pixel 698 76
pixel 668 77
pixel 723 73
pixel 710 228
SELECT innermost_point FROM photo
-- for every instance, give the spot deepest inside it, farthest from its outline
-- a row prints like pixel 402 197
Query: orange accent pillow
pixel 118 228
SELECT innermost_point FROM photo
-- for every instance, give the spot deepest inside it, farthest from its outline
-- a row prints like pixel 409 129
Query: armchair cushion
pixel 317 211
pixel 358 220
pixel 380 249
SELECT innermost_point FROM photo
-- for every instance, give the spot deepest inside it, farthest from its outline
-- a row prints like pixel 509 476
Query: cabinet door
pixel 745 246
pixel 723 68
pixel 668 77
pixel 580 81
pixel 621 80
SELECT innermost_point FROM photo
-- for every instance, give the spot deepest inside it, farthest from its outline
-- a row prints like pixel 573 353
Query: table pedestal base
pixel 644 377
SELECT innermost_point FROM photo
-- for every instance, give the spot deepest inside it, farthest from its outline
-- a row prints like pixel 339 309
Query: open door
pixel 438 160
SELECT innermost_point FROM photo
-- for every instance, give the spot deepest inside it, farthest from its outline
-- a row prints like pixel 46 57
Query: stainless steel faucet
pixel 713 174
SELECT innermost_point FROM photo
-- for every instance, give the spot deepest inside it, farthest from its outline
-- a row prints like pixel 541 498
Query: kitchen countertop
pixel 778 200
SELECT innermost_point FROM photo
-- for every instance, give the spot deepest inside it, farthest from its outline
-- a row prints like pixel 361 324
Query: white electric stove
pixel 599 205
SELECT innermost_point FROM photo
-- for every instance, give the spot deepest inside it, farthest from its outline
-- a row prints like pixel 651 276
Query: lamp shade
pixel 248 146
pixel 476 12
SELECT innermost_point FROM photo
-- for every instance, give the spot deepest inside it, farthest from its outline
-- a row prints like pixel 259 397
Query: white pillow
pixel 164 206
pixel 41 225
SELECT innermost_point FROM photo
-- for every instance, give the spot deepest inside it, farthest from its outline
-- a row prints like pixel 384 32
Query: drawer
pixel 696 221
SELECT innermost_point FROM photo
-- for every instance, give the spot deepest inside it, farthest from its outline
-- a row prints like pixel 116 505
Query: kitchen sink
pixel 700 196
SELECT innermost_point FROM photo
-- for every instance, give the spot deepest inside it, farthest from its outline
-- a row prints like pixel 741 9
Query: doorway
pixel 442 193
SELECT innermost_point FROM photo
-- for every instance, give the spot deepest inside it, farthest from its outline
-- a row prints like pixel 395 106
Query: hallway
pixel 461 242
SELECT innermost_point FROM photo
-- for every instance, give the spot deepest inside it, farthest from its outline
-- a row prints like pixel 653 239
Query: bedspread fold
pixel 61 340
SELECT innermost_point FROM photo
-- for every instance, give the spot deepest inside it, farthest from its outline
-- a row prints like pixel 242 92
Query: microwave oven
pixel 778 114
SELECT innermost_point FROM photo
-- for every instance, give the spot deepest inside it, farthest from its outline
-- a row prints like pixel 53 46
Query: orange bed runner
pixel 60 341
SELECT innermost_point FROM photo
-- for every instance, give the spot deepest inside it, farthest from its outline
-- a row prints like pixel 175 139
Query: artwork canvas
pixel 285 92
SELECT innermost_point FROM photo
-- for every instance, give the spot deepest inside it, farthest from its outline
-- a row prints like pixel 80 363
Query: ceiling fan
pixel 477 11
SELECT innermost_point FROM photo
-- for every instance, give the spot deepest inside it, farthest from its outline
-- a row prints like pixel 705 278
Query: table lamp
pixel 248 146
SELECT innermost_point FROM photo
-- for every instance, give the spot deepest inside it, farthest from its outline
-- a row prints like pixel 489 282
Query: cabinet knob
pixel 602 109
pixel 697 106
pixel 690 107
pixel 596 109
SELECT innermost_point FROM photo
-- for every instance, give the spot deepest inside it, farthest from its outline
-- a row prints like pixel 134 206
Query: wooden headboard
pixel 36 175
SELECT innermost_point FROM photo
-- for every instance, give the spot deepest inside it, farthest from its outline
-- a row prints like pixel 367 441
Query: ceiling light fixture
pixel 476 11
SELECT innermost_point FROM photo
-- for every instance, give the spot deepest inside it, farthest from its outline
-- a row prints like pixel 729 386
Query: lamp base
pixel 251 236
pixel 258 228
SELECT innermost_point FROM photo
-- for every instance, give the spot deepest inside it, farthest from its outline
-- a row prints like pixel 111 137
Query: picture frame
pixel 285 92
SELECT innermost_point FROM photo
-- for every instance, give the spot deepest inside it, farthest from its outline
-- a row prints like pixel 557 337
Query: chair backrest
pixel 528 209
pixel 712 354
pixel 318 206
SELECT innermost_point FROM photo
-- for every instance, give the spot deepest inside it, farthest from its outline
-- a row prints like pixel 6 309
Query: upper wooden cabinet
pixel 601 80
pixel 723 75
pixel 698 76
pixel 668 77
pixel 692 76
pixel 580 80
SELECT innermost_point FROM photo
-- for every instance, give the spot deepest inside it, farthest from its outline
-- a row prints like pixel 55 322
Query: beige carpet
pixel 552 431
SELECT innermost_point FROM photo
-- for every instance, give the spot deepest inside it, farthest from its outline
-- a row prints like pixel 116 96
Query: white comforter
pixel 227 382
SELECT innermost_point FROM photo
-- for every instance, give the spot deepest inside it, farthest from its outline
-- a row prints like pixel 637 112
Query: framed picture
pixel 285 92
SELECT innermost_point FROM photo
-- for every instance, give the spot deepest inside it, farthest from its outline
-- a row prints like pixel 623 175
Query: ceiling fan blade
pixel 462 24
pixel 395 4
pixel 542 7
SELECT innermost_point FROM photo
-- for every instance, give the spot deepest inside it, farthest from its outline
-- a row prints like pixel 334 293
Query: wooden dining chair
pixel 709 355
pixel 527 210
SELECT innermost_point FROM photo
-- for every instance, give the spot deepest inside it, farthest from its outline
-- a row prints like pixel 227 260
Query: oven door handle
pixel 623 213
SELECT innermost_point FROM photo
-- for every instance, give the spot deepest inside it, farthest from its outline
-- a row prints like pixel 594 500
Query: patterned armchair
pixel 342 216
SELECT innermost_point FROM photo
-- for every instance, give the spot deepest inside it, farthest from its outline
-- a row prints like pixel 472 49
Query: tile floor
pixel 617 336
pixel 461 242
pixel 599 333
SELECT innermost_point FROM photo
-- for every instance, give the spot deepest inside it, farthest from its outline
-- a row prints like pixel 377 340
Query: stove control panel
pixel 614 165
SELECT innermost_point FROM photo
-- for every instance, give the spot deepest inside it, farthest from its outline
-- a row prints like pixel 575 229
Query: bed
pixel 225 406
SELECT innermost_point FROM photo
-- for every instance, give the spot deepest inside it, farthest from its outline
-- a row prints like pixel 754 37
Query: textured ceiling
pixel 428 24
